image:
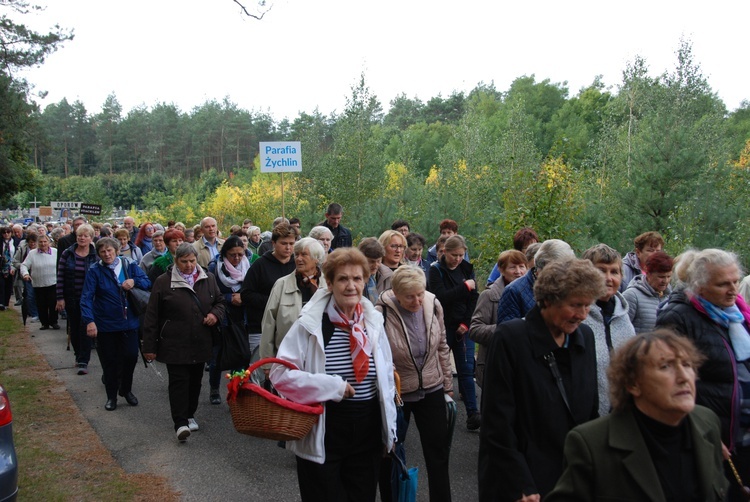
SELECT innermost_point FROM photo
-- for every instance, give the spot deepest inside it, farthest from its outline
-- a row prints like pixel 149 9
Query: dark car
pixel 8 461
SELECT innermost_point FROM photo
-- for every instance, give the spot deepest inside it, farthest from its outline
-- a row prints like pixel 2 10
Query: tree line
pixel 656 152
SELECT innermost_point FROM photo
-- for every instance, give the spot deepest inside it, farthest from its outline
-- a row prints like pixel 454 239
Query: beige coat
pixel 204 255
pixel 282 310
pixel 437 367
pixel 483 323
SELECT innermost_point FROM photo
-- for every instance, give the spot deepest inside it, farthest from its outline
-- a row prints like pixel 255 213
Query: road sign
pixel 94 209
pixel 57 205
pixel 280 157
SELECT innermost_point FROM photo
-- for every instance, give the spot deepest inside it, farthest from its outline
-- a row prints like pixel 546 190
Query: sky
pixel 307 55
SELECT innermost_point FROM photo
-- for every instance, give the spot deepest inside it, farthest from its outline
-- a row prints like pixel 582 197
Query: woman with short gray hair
pixel 289 294
pixel 183 314
pixel 323 235
pixel 712 314
pixel 540 382
pixel 518 297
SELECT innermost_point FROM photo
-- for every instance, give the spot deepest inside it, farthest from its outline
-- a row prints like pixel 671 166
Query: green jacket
pixel 607 459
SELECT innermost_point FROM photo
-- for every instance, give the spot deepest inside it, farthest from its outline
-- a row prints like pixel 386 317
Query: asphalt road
pixel 215 463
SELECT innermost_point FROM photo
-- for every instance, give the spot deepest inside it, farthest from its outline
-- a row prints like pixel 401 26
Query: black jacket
pixel 342 237
pixel 716 382
pixel 457 301
pixel 173 327
pixel 524 417
pixel 257 285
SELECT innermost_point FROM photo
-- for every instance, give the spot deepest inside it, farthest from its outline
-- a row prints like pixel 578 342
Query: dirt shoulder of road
pixel 60 456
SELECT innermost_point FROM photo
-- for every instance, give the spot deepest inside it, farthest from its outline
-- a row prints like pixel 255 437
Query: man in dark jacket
pixel 342 237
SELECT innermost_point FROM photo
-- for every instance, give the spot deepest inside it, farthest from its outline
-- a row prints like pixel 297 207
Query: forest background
pixel 656 152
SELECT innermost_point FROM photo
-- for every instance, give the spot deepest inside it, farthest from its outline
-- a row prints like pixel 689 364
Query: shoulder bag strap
pixel 552 362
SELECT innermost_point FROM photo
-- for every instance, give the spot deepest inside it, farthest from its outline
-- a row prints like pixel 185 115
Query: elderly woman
pixel 107 314
pixel 144 238
pixel 254 240
pixel 394 244
pixel 28 296
pixel 229 268
pixel 290 294
pixel 260 279
pixel 127 248
pixel 518 297
pixel 540 382
pixel 715 318
pixel 172 238
pixel 72 268
pixel 8 246
pixel 344 360
pixel 323 235
pixel 158 250
pixel 415 329
pixel 39 267
pixel 183 312
pixel 657 444
pixel 452 282
pixel 415 247
pixel 646 291
pixel 512 266
pixel 380 275
pixel 608 317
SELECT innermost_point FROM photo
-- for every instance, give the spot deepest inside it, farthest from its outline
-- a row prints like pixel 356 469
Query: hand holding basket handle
pixel 259 413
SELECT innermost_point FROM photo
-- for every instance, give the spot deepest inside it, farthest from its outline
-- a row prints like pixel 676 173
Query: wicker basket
pixel 259 413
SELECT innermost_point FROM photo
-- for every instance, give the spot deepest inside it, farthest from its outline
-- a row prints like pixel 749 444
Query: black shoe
pixel 2 307
pixel 130 398
pixel 474 422
pixel 215 396
pixel 111 405
pixel 44 327
pixel 55 326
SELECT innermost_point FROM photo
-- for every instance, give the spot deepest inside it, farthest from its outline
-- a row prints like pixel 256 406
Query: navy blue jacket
pixel 105 303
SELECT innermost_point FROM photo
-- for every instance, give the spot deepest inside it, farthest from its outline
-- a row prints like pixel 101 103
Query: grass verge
pixel 60 456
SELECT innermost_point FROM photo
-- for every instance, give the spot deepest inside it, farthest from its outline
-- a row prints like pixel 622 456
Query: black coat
pixel 257 286
pixel 173 327
pixel 716 382
pixel 457 301
pixel 524 417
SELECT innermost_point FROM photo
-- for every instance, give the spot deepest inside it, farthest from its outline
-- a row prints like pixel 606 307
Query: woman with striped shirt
pixel 344 361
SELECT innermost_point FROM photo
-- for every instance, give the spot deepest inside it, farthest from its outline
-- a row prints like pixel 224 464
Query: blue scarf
pixel 732 319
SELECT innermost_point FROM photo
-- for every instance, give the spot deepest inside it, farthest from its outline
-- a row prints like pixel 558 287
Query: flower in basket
pixel 236 379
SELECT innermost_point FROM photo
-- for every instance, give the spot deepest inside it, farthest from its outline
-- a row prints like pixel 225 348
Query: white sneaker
pixel 34 319
pixel 192 425
pixel 183 433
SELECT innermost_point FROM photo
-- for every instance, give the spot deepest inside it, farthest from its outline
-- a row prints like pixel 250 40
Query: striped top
pixel 339 362
pixel 42 267
pixel 79 274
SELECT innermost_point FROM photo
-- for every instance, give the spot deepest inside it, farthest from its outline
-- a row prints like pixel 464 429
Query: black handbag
pixel 234 347
pixel 137 297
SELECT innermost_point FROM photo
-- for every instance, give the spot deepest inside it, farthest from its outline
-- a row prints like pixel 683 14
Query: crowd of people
pixel 601 377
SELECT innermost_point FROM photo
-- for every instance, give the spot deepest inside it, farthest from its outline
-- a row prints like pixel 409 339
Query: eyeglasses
pixel 396 247
pixel 235 255
pixel 6 231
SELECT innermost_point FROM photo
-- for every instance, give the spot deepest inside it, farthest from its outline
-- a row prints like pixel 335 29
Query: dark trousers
pixel 46 300
pixel 118 353
pixel 6 288
pixel 81 342
pixel 463 353
pixel 184 391
pixel 353 447
pixel 432 423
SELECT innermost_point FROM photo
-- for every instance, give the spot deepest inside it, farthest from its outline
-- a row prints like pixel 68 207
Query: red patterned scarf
pixel 359 344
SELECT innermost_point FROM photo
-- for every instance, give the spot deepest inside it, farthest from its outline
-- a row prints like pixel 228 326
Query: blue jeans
pixel 463 353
